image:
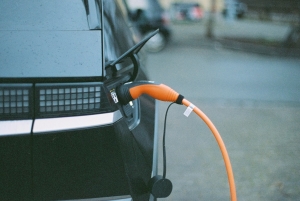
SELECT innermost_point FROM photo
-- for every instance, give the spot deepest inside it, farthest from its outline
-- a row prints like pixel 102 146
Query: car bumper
pixel 72 158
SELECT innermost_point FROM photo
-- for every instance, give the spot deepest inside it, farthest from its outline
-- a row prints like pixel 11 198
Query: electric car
pixel 63 133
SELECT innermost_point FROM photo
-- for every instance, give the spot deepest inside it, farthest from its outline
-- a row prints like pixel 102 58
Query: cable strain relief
pixel 179 99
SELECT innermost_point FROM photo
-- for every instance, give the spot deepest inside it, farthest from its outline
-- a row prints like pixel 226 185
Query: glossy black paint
pixel 16 167
pixel 78 164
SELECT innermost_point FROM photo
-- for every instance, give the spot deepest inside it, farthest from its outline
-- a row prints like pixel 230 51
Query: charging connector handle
pixel 132 90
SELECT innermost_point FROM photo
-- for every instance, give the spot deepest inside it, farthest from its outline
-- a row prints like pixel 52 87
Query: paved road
pixel 253 100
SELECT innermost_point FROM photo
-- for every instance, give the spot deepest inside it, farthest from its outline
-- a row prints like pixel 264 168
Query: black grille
pixel 15 101
pixel 67 99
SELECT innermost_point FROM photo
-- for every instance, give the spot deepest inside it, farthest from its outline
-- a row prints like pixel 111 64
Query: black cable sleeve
pixel 179 99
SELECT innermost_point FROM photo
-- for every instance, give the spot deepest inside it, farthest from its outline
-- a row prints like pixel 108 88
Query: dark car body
pixel 63 134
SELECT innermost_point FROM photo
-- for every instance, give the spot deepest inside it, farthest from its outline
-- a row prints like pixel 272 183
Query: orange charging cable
pixel 221 145
pixel 133 90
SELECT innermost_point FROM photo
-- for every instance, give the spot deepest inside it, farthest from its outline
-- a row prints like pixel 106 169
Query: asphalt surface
pixel 253 100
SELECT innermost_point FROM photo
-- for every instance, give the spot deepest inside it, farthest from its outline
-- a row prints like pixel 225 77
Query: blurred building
pixel 274 6
pixel 275 10
pixel 206 4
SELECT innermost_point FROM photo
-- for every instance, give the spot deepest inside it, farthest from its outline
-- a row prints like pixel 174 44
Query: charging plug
pixel 132 90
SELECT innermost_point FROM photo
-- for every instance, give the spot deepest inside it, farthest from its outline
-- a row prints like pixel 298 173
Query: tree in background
pixel 211 20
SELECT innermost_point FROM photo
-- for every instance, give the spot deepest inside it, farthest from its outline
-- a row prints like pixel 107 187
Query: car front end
pixel 63 134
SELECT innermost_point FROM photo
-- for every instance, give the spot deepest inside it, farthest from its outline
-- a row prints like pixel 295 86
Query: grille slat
pixel 28 101
pixel 64 100
pixel 15 102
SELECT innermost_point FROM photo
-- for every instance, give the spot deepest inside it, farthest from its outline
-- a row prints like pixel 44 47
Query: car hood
pixel 25 54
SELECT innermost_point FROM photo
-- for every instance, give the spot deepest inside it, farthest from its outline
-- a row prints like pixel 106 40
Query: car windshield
pixel 48 38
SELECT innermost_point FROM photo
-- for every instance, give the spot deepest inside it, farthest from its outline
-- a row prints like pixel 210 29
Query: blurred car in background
pixel 147 16
pixel 239 9
pixel 63 133
pixel 186 11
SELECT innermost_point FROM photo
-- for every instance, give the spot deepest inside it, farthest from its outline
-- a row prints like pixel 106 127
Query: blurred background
pixel 238 61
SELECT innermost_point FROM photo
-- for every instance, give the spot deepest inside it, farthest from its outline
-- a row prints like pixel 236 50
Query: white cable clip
pixel 188 110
